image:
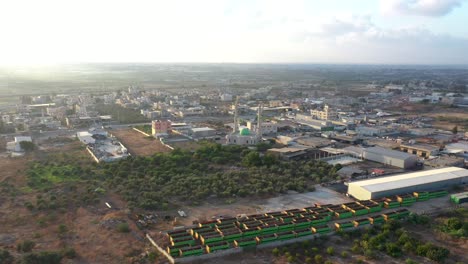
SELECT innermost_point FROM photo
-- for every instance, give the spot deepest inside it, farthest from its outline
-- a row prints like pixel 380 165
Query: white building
pixel 226 97
pixel 15 146
pixel 408 182
pixel 268 128
pixel 390 157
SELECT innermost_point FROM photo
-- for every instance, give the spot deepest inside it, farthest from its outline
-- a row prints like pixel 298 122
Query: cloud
pixel 360 40
pixel 432 8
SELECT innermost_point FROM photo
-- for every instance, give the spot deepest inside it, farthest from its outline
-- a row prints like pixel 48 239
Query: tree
pixel 6 257
pixel 455 130
pixel 454 223
pixel 252 159
pixel 393 250
pixel 318 259
pixel 330 250
pixel 27 146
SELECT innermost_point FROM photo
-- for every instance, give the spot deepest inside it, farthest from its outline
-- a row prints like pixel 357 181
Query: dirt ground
pixel 137 143
pixel 248 206
pixel 186 145
pixel 89 229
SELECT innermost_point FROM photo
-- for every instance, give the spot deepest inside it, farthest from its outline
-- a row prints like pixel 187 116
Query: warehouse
pixel 408 182
pixel 390 157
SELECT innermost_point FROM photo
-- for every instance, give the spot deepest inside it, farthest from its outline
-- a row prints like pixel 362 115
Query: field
pixel 137 143
pixel 90 230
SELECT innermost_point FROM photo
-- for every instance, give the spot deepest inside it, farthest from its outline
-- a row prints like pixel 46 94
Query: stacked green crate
pixel 374 209
pixel 379 201
pixel 391 204
pixel 421 196
pixel 359 210
pixel 406 199
pixel 303 232
pixel 211 223
pixel 245 242
pixel 437 194
pixel 301 223
pixel 173 251
pixel 377 219
pixel 212 247
pixel 459 198
pixel 322 229
pixel 402 213
pixel 183 241
pixel 225 226
pixel 285 227
pixel 252 225
pixel 286 219
pixel 318 221
pixel 294 212
pixel 176 232
pixel 361 222
pixel 250 233
pixel 390 215
pixel 192 251
pixel 344 225
pixel 342 214
pixel 286 235
pixel 266 238
pixel 270 229
pixel 195 231
pixel 210 238
pixel 231 236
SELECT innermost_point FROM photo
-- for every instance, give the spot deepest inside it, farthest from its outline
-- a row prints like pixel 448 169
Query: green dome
pixel 245 132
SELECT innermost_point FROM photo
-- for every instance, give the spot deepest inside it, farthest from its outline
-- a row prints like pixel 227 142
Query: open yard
pixel 91 230
pixel 137 143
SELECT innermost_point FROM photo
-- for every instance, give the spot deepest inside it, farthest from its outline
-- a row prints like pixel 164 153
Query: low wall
pixel 92 154
pixel 144 133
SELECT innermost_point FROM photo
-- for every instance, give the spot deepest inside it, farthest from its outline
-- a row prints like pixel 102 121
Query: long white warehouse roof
pixel 410 179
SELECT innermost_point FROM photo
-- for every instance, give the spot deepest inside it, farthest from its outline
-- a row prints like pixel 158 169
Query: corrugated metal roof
pixel 388 152
pixel 411 179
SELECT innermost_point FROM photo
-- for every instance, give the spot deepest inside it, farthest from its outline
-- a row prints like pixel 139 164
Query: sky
pixel 240 31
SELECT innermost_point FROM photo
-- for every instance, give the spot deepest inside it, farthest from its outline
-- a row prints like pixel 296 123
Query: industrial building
pixel 421 150
pixel 390 157
pixel 408 182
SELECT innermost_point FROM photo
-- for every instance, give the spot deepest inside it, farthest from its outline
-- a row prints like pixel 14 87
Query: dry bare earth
pixel 88 231
pixel 137 143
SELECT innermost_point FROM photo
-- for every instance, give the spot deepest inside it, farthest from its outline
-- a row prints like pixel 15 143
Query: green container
pixel 375 209
pixel 210 248
pixel 252 233
pixel 286 235
pixel 269 230
pixel 192 251
pixel 245 242
pixel 266 239
pixel 183 243
pixel 303 232
pixel 173 251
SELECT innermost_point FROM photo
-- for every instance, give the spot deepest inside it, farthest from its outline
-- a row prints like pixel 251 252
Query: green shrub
pixel 318 259
pixel 44 257
pixel 25 246
pixel 345 254
pixel 275 252
pixel 69 253
pixel 6 257
pixel 123 228
pixel 330 250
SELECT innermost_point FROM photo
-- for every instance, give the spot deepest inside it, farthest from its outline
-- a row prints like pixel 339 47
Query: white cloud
pixel 360 40
pixel 433 8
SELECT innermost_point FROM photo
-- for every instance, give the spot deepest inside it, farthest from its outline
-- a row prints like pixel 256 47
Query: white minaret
pixel 236 123
pixel 259 122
